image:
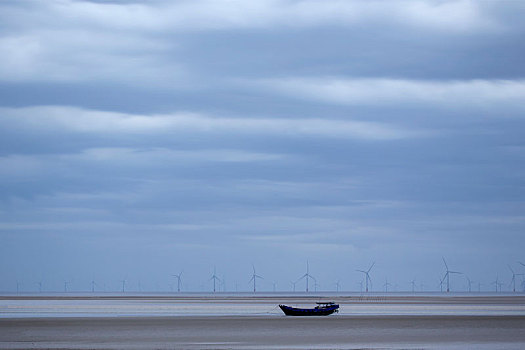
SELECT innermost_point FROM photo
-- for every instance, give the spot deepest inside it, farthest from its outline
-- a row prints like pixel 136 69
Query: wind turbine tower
pixel 254 278
pixel 367 276
pixel 447 275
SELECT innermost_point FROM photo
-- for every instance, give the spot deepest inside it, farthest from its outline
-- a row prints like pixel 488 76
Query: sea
pixel 256 304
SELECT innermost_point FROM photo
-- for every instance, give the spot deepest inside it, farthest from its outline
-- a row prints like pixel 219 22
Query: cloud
pixel 101 122
pixel 461 15
pixel 85 55
pixel 150 157
pixel 129 163
pixel 382 91
pixel 72 41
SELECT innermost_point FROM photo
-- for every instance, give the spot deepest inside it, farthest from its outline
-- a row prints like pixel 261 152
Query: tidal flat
pixel 253 322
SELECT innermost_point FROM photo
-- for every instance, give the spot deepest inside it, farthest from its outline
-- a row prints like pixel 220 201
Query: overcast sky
pixel 144 138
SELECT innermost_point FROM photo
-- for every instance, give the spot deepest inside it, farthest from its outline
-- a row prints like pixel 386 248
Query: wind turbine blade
pixel 361 271
pixel 371 266
pixel 521 263
pixel 455 272
pixel 445 263
pixel 511 269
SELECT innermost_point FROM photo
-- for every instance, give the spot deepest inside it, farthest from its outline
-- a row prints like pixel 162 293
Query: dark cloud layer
pixel 139 139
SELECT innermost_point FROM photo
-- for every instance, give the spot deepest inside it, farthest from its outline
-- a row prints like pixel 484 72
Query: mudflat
pixel 261 332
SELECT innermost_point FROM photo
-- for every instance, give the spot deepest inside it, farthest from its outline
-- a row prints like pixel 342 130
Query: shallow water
pixel 231 305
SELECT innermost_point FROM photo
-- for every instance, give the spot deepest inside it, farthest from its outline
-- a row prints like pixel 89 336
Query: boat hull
pixel 323 311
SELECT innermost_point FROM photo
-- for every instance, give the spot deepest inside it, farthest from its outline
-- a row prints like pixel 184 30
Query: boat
pixel 322 309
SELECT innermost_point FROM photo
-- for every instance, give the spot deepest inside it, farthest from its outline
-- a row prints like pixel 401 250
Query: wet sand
pixel 262 332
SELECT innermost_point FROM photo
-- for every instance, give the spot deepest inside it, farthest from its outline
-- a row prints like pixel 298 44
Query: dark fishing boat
pixel 322 309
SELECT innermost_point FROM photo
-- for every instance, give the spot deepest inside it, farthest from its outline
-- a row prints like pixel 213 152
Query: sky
pixel 139 139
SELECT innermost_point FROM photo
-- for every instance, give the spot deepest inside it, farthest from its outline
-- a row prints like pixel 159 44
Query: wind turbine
pixel 307 276
pixel 316 285
pixel 337 285
pixel 254 278
pixel 123 285
pixel 214 278
pixel 413 283
pixel 447 275
pixel 18 285
pixel 65 286
pixel 386 285
pixel 178 281
pixel 367 275
pixel 93 284
pixel 293 284
pixel 274 284
pixel 441 280
pixel 500 284
pixel 39 286
pixel 497 283
pixel 513 281
pixel 469 284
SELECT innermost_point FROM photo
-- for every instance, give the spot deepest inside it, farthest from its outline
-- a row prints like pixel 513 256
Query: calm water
pixel 224 305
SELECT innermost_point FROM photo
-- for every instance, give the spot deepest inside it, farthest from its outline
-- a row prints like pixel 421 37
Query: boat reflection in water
pixel 322 309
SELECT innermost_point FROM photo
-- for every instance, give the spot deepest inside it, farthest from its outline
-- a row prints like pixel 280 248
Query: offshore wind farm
pixel 515 283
